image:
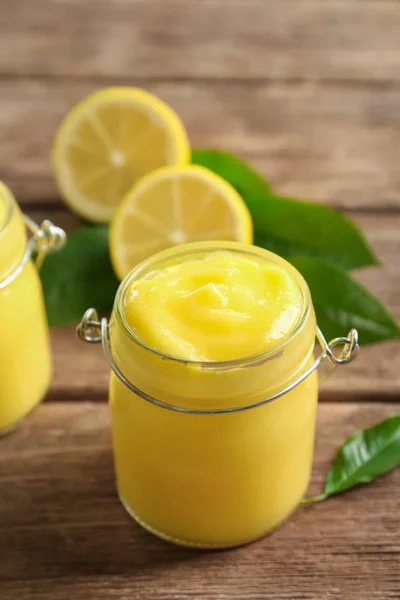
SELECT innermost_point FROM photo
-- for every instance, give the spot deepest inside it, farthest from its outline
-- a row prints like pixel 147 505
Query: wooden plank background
pixel 306 90
pixel 309 92
pixel 332 40
pixel 333 143
pixel 66 536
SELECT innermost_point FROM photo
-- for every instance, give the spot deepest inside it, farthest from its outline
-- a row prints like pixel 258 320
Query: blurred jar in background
pixel 25 354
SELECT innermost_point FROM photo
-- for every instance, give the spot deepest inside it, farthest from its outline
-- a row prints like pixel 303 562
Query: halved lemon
pixel 175 205
pixel 108 141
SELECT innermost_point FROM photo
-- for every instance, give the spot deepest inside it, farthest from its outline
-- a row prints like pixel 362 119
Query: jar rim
pixel 8 201
pixel 189 250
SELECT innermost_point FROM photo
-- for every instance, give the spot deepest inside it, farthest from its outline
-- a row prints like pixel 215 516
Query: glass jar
pixel 25 357
pixel 212 454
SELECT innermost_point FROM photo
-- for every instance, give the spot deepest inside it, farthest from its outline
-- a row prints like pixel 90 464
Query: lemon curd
pixel 25 361
pixel 211 330
pixel 215 308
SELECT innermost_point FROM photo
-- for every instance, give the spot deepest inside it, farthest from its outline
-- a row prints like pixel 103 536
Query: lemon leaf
pixel 342 303
pixel 238 173
pixel 296 227
pixel 363 457
pixel 78 277
pixel 288 226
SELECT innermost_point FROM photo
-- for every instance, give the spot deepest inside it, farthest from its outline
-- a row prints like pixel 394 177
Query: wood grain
pixel 81 370
pixel 248 39
pixel 335 144
pixel 65 535
pixel 309 93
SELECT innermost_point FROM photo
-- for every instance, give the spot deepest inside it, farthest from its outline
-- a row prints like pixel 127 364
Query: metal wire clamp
pixel 45 239
pixel 94 331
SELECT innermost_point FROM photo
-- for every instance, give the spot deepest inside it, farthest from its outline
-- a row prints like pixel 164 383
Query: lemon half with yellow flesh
pixel 109 141
pixel 175 205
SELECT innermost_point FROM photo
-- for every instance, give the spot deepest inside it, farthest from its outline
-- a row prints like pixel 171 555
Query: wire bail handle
pixel 95 331
pixel 45 239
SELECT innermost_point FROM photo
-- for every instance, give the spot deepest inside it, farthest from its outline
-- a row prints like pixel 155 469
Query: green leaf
pixel 295 227
pixel 287 226
pixel 79 277
pixel 363 457
pixel 342 303
pixel 239 174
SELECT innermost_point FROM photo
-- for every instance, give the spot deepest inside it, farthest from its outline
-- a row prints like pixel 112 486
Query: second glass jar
pixel 25 355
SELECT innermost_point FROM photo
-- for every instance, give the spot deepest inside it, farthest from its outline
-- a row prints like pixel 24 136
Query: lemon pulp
pixel 108 141
pixel 175 205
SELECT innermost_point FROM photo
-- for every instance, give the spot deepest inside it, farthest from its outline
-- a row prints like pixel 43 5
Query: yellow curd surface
pixel 216 308
pixel 25 361
pixel 237 326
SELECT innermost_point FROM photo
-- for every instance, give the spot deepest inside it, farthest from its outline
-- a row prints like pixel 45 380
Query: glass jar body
pixel 213 480
pixel 218 479
pixel 25 357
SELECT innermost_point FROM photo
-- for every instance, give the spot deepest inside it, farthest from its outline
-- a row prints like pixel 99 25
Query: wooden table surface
pixel 309 92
